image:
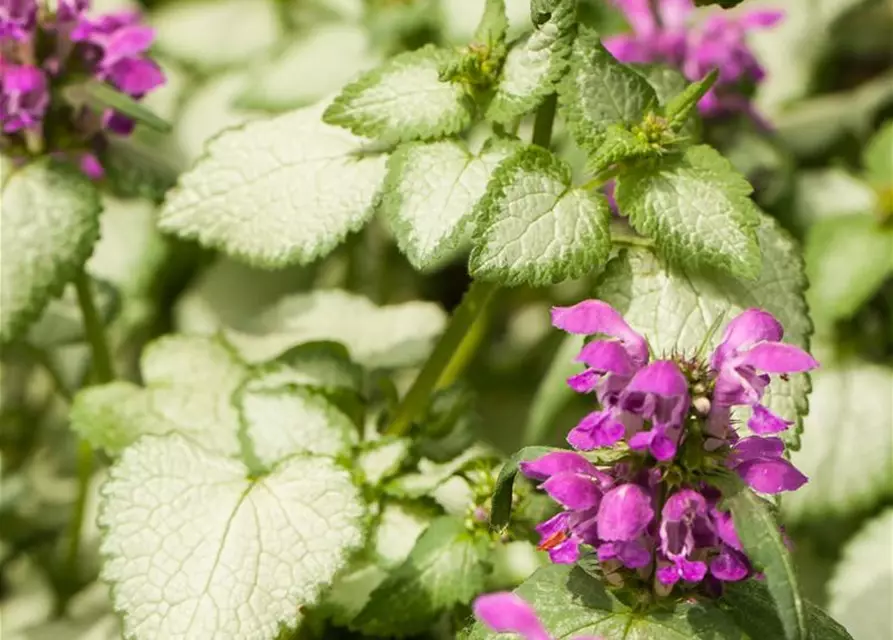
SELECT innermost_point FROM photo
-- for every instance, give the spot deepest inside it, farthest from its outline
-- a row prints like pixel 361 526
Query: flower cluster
pixel 44 58
pixel 670 36
pixel 669 422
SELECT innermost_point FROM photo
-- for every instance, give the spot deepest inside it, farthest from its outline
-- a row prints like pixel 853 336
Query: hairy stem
pixel 101 372
pixel 446 349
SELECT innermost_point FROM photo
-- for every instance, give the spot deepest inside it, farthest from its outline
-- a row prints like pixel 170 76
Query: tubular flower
pixel 74 49
pixel 668 425
pixel 695 47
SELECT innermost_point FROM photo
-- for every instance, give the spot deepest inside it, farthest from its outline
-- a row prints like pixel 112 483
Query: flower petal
pixel 692 570
pixel 745 329
pixel 594 316
pixel 606 356
pixel 729 566
pixel 777 357
pixel 638 14
pixel 684 502
pixel 508 613
pixel 763 421
pixel 756 447
pixel 625 512
pixel 597 429
pixel 771 476
pixel 558 462
pixel 573 491
pixel 760 19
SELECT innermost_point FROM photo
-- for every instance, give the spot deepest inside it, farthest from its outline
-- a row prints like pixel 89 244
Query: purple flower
pixel 760 464
pixel 750 349
pixel 683 520
pixel 73 48
pixel 592 317
pixel 17 19
pixel 676 39
pixel 569 478
pixel 624 513
pixel 506 612
pixel 23 97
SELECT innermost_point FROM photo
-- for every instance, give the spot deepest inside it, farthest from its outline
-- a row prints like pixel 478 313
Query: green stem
pixel 102 359
pixel 629 240
pixel 542 125
pixel 416 399
pixel 101 372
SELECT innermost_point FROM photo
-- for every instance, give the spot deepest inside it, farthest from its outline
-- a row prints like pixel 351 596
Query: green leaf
pixel 211 34
pixel 280 422
pixel 619 144
pixel 276 192
pixel 680 107
pixel 831 193
pixel 501 511
pixel 534 65
pixel 697 208
pixel 445 568
pixel 309 68
pixel 430 195
pixel 598 91
pixel 194 546
pixel 397 530
pixel 189 383
pixel 380 459
pixel 553 394
pixel 848 451
pixel 668 83
pixel 534 228
pixel 760 536
pixel 403 100
pixel 493 25
pixel 861 588
pixel 49 214
pixel 675 307
pixel 877 158
pixel 104 96
pixel 323 365
pixel 848 258
pixel 391 336
pixel 431 475
pixel 751 606
pixel 571 604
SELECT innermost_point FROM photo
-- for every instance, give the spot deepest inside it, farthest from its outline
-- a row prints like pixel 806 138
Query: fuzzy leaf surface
pixel 534 228
pixel 276 192
pixel 697 209
pixel 49 214
pixel 534 65
pixel 431 193
pixel 403 100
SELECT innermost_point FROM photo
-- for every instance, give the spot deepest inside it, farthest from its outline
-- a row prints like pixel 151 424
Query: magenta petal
pixel 594 316
pixel 628 49
pixel 583 382
pixel 662 447
pixel 725 529
pixel 692 570
pixel 662 378
pixel 668 575
pixel 684 501
pixel 729 566
pixel 557 462
pixel 606 356
pixel 756 447
pixel 745 329
pixel 567 552
pixel 778 357
pixel 638 14
pixel 573 491
pixel 771 476
pixel 760 19
pixel 764 422
pixel 597 429
pixel 625 512
pixel 633 554
pixel 508 613
pixel 127 42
